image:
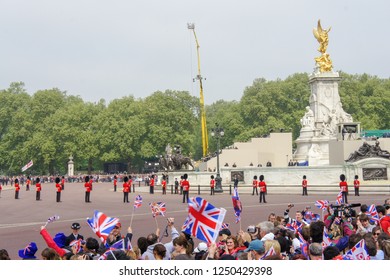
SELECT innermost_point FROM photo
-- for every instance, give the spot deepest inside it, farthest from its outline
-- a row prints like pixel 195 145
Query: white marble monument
pixel 321 120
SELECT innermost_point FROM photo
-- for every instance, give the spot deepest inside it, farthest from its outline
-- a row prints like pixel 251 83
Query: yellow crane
pixel 205 139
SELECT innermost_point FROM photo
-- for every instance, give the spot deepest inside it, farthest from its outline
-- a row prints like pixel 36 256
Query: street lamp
pixel 218 132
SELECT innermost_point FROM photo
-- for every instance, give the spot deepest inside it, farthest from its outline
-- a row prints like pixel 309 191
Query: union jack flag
pixel 224 225
pixel 101 224
pixel 77 244
pixel 236 204
pixel 158 208
pixel 294 226
pixel 270 252
pixel 322 204
pixel 373 213
pixel 122 244
pixel 358 252
pixel 138 201
pixel 326 241
pixel 339 198
pixel 204 220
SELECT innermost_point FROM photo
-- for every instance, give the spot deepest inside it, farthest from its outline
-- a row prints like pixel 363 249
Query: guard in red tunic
pixel 255 183
pixel 115 182
pixel 263 189
pixel 186 188
pixel 126 189
pixel 304 186
pixel 59 188
pixel 38 188
pixel 17 188
pixel 356 185
pixel 164 185
pixel 63 183
pixel 151 185
pixel 344 188
pixel 28 183
pixel 87 186
pixel 212 185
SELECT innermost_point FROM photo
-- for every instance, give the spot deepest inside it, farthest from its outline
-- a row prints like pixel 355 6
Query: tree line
pixel 48 126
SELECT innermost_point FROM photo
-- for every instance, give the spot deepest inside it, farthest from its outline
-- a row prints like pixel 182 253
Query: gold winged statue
pixel 324 62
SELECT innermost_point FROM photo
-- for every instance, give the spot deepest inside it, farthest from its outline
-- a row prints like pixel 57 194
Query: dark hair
pixel 160 250
pixel 330 252
pixel 152 239
pixel 317 231
pixel 363 208
pixel 4 254
pixel 381 209
pixel 142 243
pixel 283 243
pixel 354 239
pixel 92 244
pixel 50 254
pixel 182 241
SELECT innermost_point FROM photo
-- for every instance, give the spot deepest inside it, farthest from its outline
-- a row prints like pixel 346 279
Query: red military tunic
pixel 304 183
pixel 343 186
pixel 186 185
pixel 58 187
pixel 263 186
pixel 38 187
pixel 164 184
pixel 126 187
pixel 212 183
pixel 17 187
pixel 87 186
pixel 356 184
pixel 255 183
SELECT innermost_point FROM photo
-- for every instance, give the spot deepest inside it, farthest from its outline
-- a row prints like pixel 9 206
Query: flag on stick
pixel 204 220
pixel 102 225
pixel 52 219
pixel 27 166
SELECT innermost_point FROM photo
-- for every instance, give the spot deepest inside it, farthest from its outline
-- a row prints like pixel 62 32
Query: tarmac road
pixel 21 219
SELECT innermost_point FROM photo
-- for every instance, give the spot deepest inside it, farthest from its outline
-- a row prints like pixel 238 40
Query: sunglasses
pixel 376 233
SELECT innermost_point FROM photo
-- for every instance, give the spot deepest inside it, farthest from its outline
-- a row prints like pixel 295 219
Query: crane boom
pixel 205 139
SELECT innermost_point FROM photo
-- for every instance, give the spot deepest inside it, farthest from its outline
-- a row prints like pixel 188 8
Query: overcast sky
pixel 111 49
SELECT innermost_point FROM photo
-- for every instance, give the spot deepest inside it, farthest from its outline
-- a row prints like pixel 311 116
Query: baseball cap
pixel 256 245
pixel 202 247
pixel 118 225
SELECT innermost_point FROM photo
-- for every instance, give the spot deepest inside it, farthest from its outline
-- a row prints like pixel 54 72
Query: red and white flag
pixel 27 166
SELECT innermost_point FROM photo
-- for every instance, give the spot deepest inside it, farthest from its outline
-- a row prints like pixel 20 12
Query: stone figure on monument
pixel 368 151
pixel 308 119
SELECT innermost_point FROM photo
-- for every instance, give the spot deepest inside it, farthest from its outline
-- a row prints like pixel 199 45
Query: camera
pixel 345 210
pixel 251 229
pixel 290 205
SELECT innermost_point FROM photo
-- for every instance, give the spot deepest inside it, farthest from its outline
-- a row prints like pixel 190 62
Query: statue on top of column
pixel 324 62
